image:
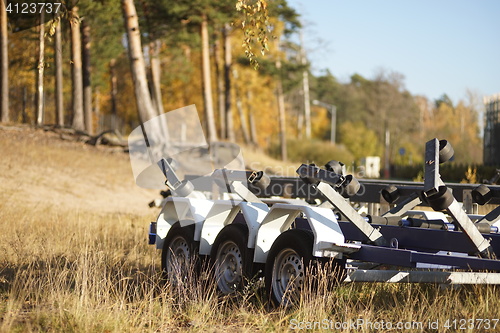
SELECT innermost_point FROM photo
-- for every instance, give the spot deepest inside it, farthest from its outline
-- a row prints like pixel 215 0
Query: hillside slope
pixel 38 168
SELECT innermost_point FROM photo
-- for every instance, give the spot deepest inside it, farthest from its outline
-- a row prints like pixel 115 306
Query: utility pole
pixel 305 87
pixel 387 172
pixel 333 116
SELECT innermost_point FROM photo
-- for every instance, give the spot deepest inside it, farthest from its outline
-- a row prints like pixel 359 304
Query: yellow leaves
pixel 239 5
pixel 255 25
pixel 320 122
pixel 360 140
pixel 470 176
pixel 457 124
pixel 53 25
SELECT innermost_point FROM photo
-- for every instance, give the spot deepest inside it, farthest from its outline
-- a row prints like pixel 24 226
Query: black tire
pixel 290 265
pixel 179 257
pixel 231 259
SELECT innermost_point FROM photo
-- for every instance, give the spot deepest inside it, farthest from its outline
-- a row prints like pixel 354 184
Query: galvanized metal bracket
pixel 392 276
pixel 434 189
pixel 492 218
pixel 407 204
pixel 323 180
pixel 432 177
pixel 232 181
pixel 372 234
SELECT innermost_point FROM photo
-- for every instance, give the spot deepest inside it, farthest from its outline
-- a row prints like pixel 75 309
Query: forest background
pixel 242 63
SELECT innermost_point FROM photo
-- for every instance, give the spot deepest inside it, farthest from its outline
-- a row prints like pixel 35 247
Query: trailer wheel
pixel 290 266
pixel 230 258
pixel 179 255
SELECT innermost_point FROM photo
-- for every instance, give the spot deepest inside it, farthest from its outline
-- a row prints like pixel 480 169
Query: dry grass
pixel 93 273
pixel 91 270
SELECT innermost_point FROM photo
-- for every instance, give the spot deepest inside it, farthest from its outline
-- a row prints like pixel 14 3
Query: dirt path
pixel 40 169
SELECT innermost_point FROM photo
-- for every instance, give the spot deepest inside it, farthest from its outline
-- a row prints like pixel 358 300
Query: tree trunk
pixel 220 89
pixel 305 87
pixel 59 77
pixel 155 85
pixel 24 115
pixel 40 68
pixel 207 82
pixel 281 111
pixel 114 92
pixel 300 125
pixel 227 82
pixel 156 75
pixel 243 119
pixel 137 64
pixel 77 84
pixel 4 65
pixel 97 108
pixel 241 112
pixel 86 72
pixel 253 127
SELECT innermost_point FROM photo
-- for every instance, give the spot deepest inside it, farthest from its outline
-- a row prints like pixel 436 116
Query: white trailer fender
pixel 186 211
pixel 324 225
pixel 224 213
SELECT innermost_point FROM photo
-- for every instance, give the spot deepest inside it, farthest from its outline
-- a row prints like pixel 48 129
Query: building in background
pixel 371 165
pixel 491 149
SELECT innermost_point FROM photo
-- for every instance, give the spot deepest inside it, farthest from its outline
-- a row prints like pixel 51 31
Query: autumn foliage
pixel 375 116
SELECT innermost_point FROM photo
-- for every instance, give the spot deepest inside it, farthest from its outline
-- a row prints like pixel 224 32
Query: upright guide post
pixel 440 197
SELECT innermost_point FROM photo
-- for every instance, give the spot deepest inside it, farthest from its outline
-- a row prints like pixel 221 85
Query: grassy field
pixel 74 258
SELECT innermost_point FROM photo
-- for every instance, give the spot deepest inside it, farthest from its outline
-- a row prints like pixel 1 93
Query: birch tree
pixel 86 77
pixel 207 81
pixel 137 63
pixel 40 69
pixel 4 65
pixel 76 67
pixel 59 75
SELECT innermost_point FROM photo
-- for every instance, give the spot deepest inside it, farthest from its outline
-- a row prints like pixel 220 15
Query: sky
pixel 439 46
